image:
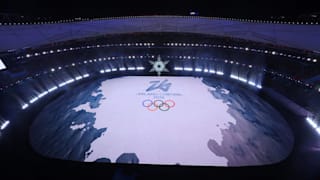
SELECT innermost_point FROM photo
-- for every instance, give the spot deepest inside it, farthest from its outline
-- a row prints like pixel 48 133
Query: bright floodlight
pixel 242 79
pixel 43 94
pixel 33 100
pixel 2 65
pixel 78 77
pixel 4 125
pixel 252 83
pixel 220 73
pixel 234 76
pixel 259 86
pixel 311 122
pixel 187 69
pixel 25 106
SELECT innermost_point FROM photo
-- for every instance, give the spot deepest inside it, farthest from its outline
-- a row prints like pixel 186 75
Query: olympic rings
pixel 154 105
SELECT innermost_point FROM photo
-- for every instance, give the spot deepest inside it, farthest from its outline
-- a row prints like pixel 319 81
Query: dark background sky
pixel 94 8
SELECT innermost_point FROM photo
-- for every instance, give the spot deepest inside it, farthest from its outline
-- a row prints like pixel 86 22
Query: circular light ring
pixel 156 104
pixel 154 109
pixel 164 107
pixel 147 105
pixel 169 100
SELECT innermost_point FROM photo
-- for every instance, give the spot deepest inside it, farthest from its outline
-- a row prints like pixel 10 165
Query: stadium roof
pixel 300 36
pixel 95 8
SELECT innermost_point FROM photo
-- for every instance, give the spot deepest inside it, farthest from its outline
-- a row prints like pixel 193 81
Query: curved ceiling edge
pixel 296 36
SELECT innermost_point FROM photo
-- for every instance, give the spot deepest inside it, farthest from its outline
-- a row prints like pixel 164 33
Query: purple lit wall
pixel 297 36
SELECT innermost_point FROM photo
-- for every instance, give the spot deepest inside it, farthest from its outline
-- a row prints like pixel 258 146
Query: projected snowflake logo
pixel 159 66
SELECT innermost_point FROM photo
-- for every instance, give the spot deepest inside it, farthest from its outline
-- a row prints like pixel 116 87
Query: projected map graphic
pixel 162 120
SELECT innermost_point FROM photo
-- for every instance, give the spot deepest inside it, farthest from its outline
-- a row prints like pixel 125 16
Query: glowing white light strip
pixel 25 106
pixel 206 70
pixel 122 69
pixel 52 89
pixel 62 84
pixel 252 83
pixel 188 69
pixel 233 76
pixel 198 69
pixel 4 125
pixel 70 81
pixel 259 86
pixel 311 122
pixel 220 73
pixel 242 79
pixel 178 68
pixel 131 68
pixel 114 69
pixel 107 70
pixel 42 94
pixel 101 71
pixel 212 71
pixel 33 100
pixel 140 68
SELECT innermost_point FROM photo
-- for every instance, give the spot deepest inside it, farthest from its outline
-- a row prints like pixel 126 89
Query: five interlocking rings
pixel 154 105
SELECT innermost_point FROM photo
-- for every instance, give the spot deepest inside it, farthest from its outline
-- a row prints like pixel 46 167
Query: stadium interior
pixel 57 58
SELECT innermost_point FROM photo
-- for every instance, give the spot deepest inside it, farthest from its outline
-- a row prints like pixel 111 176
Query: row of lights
pixel 209 58
pixel 39 96
pixel 313 124
pixel 33 100
pixel 289 78
pixel 148 44
pixel 137 44
pixel 139 68
pixel 244 80
pixel 212 71
pixel 129 17
pixel 205 70
pixel 47 22
pixel 133 57
pixel 271 22
pixel 270 52
pixel 179 57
